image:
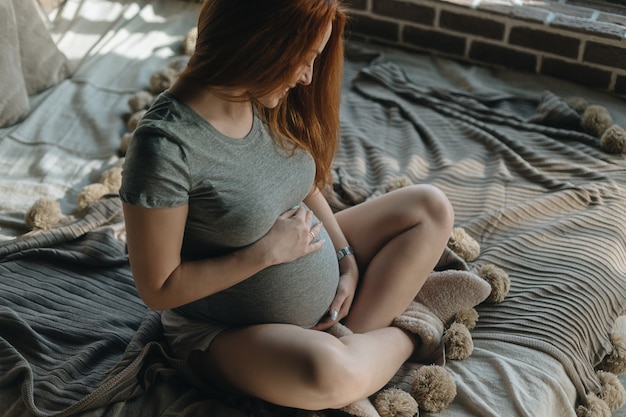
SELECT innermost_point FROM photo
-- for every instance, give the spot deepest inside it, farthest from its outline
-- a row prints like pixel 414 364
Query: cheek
pixel 300 74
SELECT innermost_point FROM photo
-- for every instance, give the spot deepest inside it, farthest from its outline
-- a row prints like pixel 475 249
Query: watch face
pixel 343 252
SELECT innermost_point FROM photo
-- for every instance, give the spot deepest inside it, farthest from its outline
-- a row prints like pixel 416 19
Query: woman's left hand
pixel 344 296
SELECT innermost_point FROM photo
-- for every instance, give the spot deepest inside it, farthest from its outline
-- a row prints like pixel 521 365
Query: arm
pixel 348 269
pixel 155 236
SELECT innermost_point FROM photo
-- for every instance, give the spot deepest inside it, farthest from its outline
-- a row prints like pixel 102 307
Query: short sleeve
pixel 155 172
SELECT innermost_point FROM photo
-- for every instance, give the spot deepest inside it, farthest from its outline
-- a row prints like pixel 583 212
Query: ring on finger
pixel 312 234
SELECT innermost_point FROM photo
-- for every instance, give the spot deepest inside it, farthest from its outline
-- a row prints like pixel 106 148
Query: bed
pixel 543 200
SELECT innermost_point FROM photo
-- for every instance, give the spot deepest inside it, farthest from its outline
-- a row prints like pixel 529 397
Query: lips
pixel 285 91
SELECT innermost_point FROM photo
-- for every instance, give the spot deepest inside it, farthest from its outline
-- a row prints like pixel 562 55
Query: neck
pixel 222 107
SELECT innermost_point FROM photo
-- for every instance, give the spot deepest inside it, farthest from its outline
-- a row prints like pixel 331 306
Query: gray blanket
pixel 537 193
pixel 75 338
pixel 71 322
pixel 545 203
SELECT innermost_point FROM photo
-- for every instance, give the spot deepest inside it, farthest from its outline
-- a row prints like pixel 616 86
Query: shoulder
pixel 165 115
pixel 167 128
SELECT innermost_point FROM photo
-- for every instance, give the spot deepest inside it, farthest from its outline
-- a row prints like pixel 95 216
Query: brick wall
pixel 579 40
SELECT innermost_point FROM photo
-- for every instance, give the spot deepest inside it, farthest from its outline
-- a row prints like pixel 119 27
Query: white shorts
pixel 185 335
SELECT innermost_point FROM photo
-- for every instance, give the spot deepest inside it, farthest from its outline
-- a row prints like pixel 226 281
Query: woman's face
pixel 304 74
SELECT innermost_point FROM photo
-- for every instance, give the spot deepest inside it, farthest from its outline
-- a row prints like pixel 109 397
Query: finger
pixel 339 308
pixel 316 245
pixel 315 230
pixel 296 210
pixel 291 212
pixel 309 217
pixel 324 324
pixel 333 313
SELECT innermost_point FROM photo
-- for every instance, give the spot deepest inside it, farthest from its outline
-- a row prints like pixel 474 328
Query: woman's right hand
pixel 292 236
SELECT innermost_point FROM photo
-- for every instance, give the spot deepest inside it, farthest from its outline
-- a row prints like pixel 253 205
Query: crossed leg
pixel 398 239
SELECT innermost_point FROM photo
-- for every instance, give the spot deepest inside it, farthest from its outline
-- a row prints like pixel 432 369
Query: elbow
pixel 159 306
pixel 157 294
pixel 152 299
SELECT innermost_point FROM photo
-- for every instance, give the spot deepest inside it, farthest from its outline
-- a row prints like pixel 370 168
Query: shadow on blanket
pixel 74 333
pixel 544 202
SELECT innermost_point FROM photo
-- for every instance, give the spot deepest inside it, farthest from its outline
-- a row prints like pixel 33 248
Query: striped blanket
pixel 545 203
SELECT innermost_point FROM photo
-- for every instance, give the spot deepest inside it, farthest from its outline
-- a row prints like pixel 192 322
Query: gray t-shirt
pixel 235 189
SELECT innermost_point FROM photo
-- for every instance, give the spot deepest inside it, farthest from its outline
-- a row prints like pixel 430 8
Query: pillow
pixel 14 98
pixel 43 65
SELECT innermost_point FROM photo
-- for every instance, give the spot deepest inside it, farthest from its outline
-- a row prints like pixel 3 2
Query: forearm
pixel 154 241
pixel 155 238
pixel 192 280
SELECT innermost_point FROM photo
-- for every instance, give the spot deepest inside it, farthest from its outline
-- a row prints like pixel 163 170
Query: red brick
pixel 620 85
pixel 502 56
pixel 487 28
pixel 545 41
pixel 578 73
pixel 434 40
pixel 611 56
pixel 367 26
pixel 410 12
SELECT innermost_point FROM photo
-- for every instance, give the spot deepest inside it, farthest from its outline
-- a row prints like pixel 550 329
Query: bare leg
pixel 398 239
pixel 308 369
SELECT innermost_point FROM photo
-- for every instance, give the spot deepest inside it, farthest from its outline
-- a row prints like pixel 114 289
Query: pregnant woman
pixel 229 234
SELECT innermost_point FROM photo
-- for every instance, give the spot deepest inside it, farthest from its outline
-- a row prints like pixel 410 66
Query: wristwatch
pixel 344 252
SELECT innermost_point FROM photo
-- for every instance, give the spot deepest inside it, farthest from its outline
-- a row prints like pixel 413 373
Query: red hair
pixel 259 45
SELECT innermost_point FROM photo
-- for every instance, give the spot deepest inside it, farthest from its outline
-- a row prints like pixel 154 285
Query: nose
pixel 307 75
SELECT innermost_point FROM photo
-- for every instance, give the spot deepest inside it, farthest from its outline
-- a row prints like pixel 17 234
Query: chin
pixel 274 100
pixel 273 104
pixel 270 104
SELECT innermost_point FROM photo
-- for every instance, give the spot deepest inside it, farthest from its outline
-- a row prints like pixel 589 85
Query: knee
pixel 436 207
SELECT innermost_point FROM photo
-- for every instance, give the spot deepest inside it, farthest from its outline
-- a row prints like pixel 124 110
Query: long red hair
pixel 259 45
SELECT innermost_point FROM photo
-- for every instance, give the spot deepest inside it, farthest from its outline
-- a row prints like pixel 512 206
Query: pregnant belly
pixel 299 292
